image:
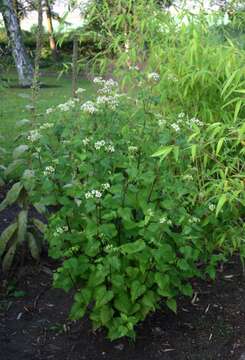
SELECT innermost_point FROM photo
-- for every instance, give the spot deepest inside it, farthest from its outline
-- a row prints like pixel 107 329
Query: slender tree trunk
pixel 74 66
pixel 21 59
pixel 50 29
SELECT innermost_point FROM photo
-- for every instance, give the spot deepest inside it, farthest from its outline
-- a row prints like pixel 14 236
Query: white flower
pixel 154 76
pixel 98 80
pixel 194 220
pixel 46 126
pixel 99 144
pixel 88 195
pixel 49 170
pixel 211 207
pixel 163 220
pixel 195 121
pixel 98 194
pixel 106 186
pixel 187 177
pixel 175 127
pixel 110 148
pixel 132 149
pixel 181 115
pixel 86 141
pixel 110 101
pixel 60 230
pixel 80 91
pixel 34 135
pixel 49 111
pixel 89 107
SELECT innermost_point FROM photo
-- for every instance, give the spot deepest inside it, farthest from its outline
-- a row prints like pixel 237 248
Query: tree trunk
pixel 74 66
pixel 21 59
pixel 50 29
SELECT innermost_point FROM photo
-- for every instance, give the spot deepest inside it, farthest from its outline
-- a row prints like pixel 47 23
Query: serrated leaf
pixel 40 225
pixel 14 166
pixel 6 236
pixel 8 258
pixel 11 196
pixel 136 290
pixel 172 305
pixel 132 248
pixel 22 226
pixel 33 246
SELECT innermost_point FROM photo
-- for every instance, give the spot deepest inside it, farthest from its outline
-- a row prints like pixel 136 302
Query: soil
pixel 34 321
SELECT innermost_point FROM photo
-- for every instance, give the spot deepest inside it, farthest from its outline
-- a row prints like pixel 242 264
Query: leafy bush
pixel 146 197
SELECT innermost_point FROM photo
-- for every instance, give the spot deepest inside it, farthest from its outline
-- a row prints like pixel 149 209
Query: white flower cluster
pixel 60 230
pixel 154 76
pixel 80 91
pixel 111 101
pixel 194 220
pixel 46 126
pixel 187 177
pixel 161 121
pixel 211 207
pixel 93 194
pixel 49 170
pixel 49 111
pixel 89 107
pixel 132 149
pixel 97 193
pixel 175 126
pixel 108 85
pixel 165 220
pixel 68 105
pixel 85 141
pixel 102 144
pixel 33 136
pixel 194 121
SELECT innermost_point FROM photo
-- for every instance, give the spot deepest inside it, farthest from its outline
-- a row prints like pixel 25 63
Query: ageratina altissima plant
pixel 146 200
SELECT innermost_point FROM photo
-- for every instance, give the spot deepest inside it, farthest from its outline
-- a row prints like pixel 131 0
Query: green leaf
pixel 221 203
pixel 219 145
pixel 6 236
pixel 14 166
pixel 22 226
pixel 33 246
pixel 11 196
pixel 172 305
pixel 162 280
pixel 193 151
pixel 106 314
pixel 23 122
pixel 163 152
pixel 237 109
pixel 132 248
pixel 8 258
pixel 103 296
pixel 136 290
pixel 19 150
pixel 122 303
pixel 40 225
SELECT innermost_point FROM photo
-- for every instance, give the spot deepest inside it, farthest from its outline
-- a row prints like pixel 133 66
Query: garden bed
pixel 34 325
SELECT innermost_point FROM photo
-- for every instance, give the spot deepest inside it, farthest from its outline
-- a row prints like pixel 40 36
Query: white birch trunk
pixel 21 59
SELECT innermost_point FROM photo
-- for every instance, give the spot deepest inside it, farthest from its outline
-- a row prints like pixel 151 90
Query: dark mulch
pixel 34 325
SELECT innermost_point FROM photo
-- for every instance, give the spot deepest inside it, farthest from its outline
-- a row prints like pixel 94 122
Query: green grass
pixel 13 102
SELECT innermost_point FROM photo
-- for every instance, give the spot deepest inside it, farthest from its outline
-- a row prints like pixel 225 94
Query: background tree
pixel 21 58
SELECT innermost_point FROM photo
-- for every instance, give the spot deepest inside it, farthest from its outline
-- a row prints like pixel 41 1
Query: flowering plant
pixel 145 201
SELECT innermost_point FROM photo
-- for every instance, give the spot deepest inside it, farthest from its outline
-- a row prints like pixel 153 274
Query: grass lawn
pixel 13 101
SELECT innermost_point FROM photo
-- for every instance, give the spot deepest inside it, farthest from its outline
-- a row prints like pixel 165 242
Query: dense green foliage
pixel 149 189
pixel 147 177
